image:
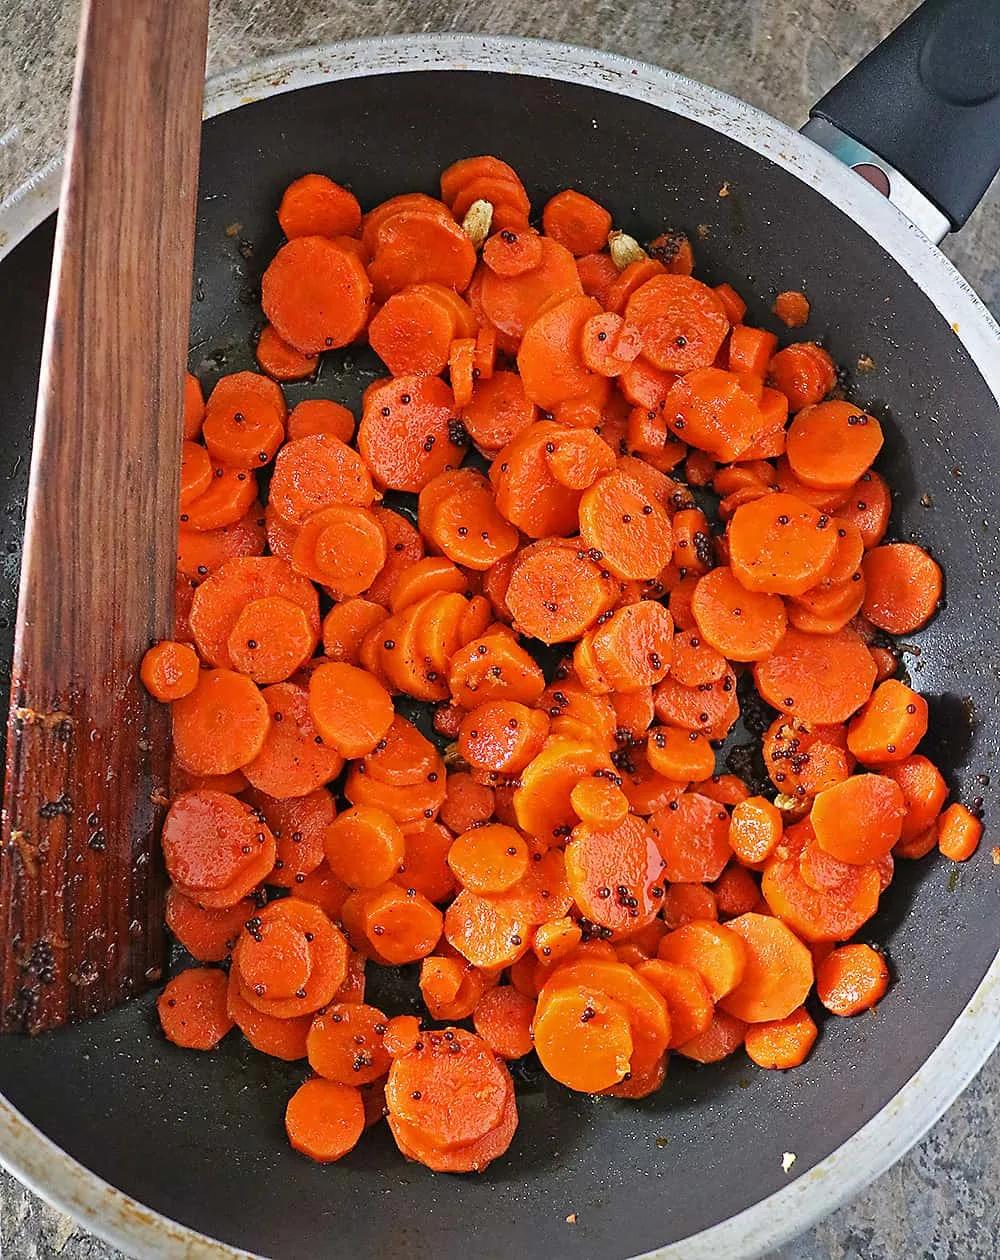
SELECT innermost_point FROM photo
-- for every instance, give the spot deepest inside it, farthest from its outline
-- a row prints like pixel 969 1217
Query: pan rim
pixel 129 1225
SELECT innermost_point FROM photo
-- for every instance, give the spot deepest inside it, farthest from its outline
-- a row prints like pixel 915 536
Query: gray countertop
pixel 939 1203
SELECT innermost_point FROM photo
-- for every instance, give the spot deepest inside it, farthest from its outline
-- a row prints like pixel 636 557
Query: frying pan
pixel 161 1151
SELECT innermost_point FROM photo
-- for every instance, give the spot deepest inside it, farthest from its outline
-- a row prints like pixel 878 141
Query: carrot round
pixel 832 915
pixel 780 544
pixel 196 472
pixel 481 930
pixel 169 671
pixel 280 1038
pixel 343 546
pixel 290 943
pixel 207 935
pixel 852 979
pixel 599 802
pixel 425 861
pixel 292 761
pixel 502 1018
pixel 692 835
pixel 413 331
pixel 345 1044
pixel 314 472
pixel 550 358
pixel 192 1008
pixel 351 710
pixel 324 1120
pixel 630 530
pixel 407 433
pixel 320 415
pixel 502 736
pixel 778 973
pixel 959 833
pixel 313 205
pixel 615 874
pixel 682 322
pixel 782 1043
pixel 583 1038
pixel 742 624
pixel 868 507
pixel 860 819
pixel 281 361
pixel 577 222
pixel 831 444
pixel 724 1035
pixel 688 999
pixel 556 592
pixel 364 846
pixel 511 302
pixel 228 498
pixel 316 294
pixel 417 246
pixel 458 514
pixel 271 638
pixel 345 627
pixel 711 409
pixel 498 411
pixel 804 373
pixel 717 953
pixel 221 725
pixel 902 587
pixel 467 803
pixel 488 859
pixel 754 829
pixel 684 903
pixel 400 927
pixel 821 679
pixel 890 725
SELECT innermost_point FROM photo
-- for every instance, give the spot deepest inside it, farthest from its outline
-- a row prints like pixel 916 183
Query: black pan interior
pixel 200 1138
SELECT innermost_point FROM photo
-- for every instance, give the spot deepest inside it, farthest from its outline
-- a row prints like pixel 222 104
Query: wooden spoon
pixel 81 888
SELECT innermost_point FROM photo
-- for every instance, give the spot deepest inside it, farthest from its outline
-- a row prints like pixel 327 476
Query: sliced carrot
pixel 279 1038
pixel 634 710
pixel 717 953
pixel 723 1036
pixel 902 587
pixel 292 761
pixel 924 793
pixel 316 294
pixel 201 552
pixel 351 710
pixel 778 973
pixel 550 355
pixel 297 824
pixel 413 331
pixel 820 679
pixel 692 834
pixel 503 1019
pixel 782 1043
pixel 169 671
pixel 804 373
pixel 271 638
pixel 196 472
pixel 221 725
pixel 281 361
pixel 556 592
pixel 709 408
pixel 513 253
pixel 458 515
pixel 488 859
pixel 709 708
pixel 673 250
pixel 741 624
pixel 345 1044
pixel 615 874
pixel 780 544
pixel 482 932
pixel 693 661
pixel 324 1120
pixel 868 507
pixel 833 915
pixel 511 302
pixel 577 222
pixel 451 987
pixel 599 802
pixel 583 1038
pixel 860 819
pixel 364 846
pixel 736 892
pixel 542 802
pixel 684 903
pixel 682 322
pixel 890 725
pixel 418 246
pixel 682 755
pixel 315 472
pixel 556 940
pixel 461 368
pixel 401 1034
pixel 232 493
pixel 406 435
pixel 194 406
pixel 852 979
pixel 502 736
pixel 726 789
pixel 425 861
pixel 192 1008
pixel 754 830
pixel 320 415
pixel 498 410
pixel 792 308
pixel 207 935
pixel 343 547
pixel 345 626
pixel 400 927
pixel 640 550
pixel 597 273
pixel 688 1000
pixel 313 205
pixel 959 833
pixel 831 444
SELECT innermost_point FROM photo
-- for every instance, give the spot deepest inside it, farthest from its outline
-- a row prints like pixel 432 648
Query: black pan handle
pixel 925 105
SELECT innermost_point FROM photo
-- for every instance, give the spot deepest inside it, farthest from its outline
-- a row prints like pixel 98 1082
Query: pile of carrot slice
pixel 576 444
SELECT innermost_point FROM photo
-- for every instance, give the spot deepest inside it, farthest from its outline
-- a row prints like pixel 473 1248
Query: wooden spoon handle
pixel 81 886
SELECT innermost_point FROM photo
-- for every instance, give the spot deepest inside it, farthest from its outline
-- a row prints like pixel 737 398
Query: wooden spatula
pixel 87 758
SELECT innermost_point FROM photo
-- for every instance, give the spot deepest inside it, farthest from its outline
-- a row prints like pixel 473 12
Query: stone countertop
pixel 940 1202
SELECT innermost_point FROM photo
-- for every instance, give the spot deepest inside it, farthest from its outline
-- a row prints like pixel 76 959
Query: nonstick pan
pixel 161 1151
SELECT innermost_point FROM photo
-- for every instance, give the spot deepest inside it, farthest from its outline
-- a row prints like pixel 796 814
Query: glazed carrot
pixel 831 444
pixel 324 1120
pixel 556 940
pixel 497 411
pixel 315 472
pixel 451 987
pixel 182 781
pixel 709 708
pixel 293 761
pixel 782 1043
pixel 692 834
pixel 280 1038
pixel 549 358
pixel 684 903
pixel 458 514
pixel 511 302
pixel 513 253
pixel 868 507
pixel 364 846
pixel 821 679
pixel 852 979
pixel 583 1038
pixel 577 222
pixel 196 472
pixel 345 626
pixel 597 273
pixel 169 671
pixel 678 754
pixel 556 592
pixel 780 544
pixel 483 933
pixel 693 661
pixel 201 552
pixel 832 915
pixel 403 756
pixel 406 435
pixel 741 624
pixel 343 547
pixel 488 859
pixel 792 308
pixel 736 892
pixel 320 415
pixel 959 833
pixel 615 873
pixel 221 725
pixel 860 819
pixel 599 802
pixel 281 361
pixel 502 736
pixel 634 710
pixel 413 331
pixel 924 793
pixel 399 927
pixel 425 860
pixel 297 824
pixel 643 548
pixel 314 205
pixel 221 599
pixel 192 1008
pixel 416 246
pixel 890 725
pixel 461 368
pixel 804 373
pixel 194 406
pixel 230 496
pixel 401 1035
pixel 754 830
pixel 470 1157
pixel 207 935
pixel 688 1000
pixel 725 789
pixel 503 1019
pixel 271 639
pixel 682 322
pixel 351 710
pixel 316 294
pixel 717 953
pixel 709 408
pixel 723 1036
pixel 345 1044
pixel 579 457
pixel 673 250
pixel 778 973
pixel 902 587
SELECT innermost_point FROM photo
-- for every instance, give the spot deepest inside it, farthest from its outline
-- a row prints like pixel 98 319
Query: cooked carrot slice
pixel 577 222
pixel 364 846
pixel 622 521
pixel 324 1120
pixel 782 1043
pixel 633 711
pixel 693 661
pixel 792 307
pixel 502 736
pixel 528 493
pixel 221 725
pixel 459 516
pixel 416 246
pixel 692 835
pixel 196 472
pixel 511 302
pixel 401 1035
pixel 831 444
pixel 400 927
pixel 718 954
pixel 343 547
pixel 314 472
pixel 833 915
pixel 820 679
pixel 754 829
pixel 290 942
pixel 270 639
pixel 688 1000
pixel 201 552
pixel 232 493
pixel 709 408
pixel 720 1039
pixel 451 987
pixel 902 587
pixel 470 1157
pixel 298 823
pixel 550 355
pixel 742 624
pixel 804 373
pixel 316 293
pixel 959 833
pixel 803 759
pixel 599 802
pixel 425 860
pixel 890 725
pixel 682 322
pixel 351 710
pixel 293 761
pixel 852 979
pixel 513 253
pixel 467 803
pixel 222 597
pixel 685 903
pixel 207 935
pixel 557 592
pixel 194 406
pixel 483 933
pixel 345 1044
pixel 583 1038
pixel 678 754
pixel 214 848
pixel 192 1008
pixel 169 670
pixel 924 794
pixel 498 411
pixel 542 801
pixel 489 859
pixel 281 361
pixel 859 820
pixel 868 507
pixel 413 331
pixel 345 626
pixel 313 205
pixel 279 1038
pixel 503 1019
pixel 778 973
pixel 407 433
pixel 780 544
pixel 320 415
